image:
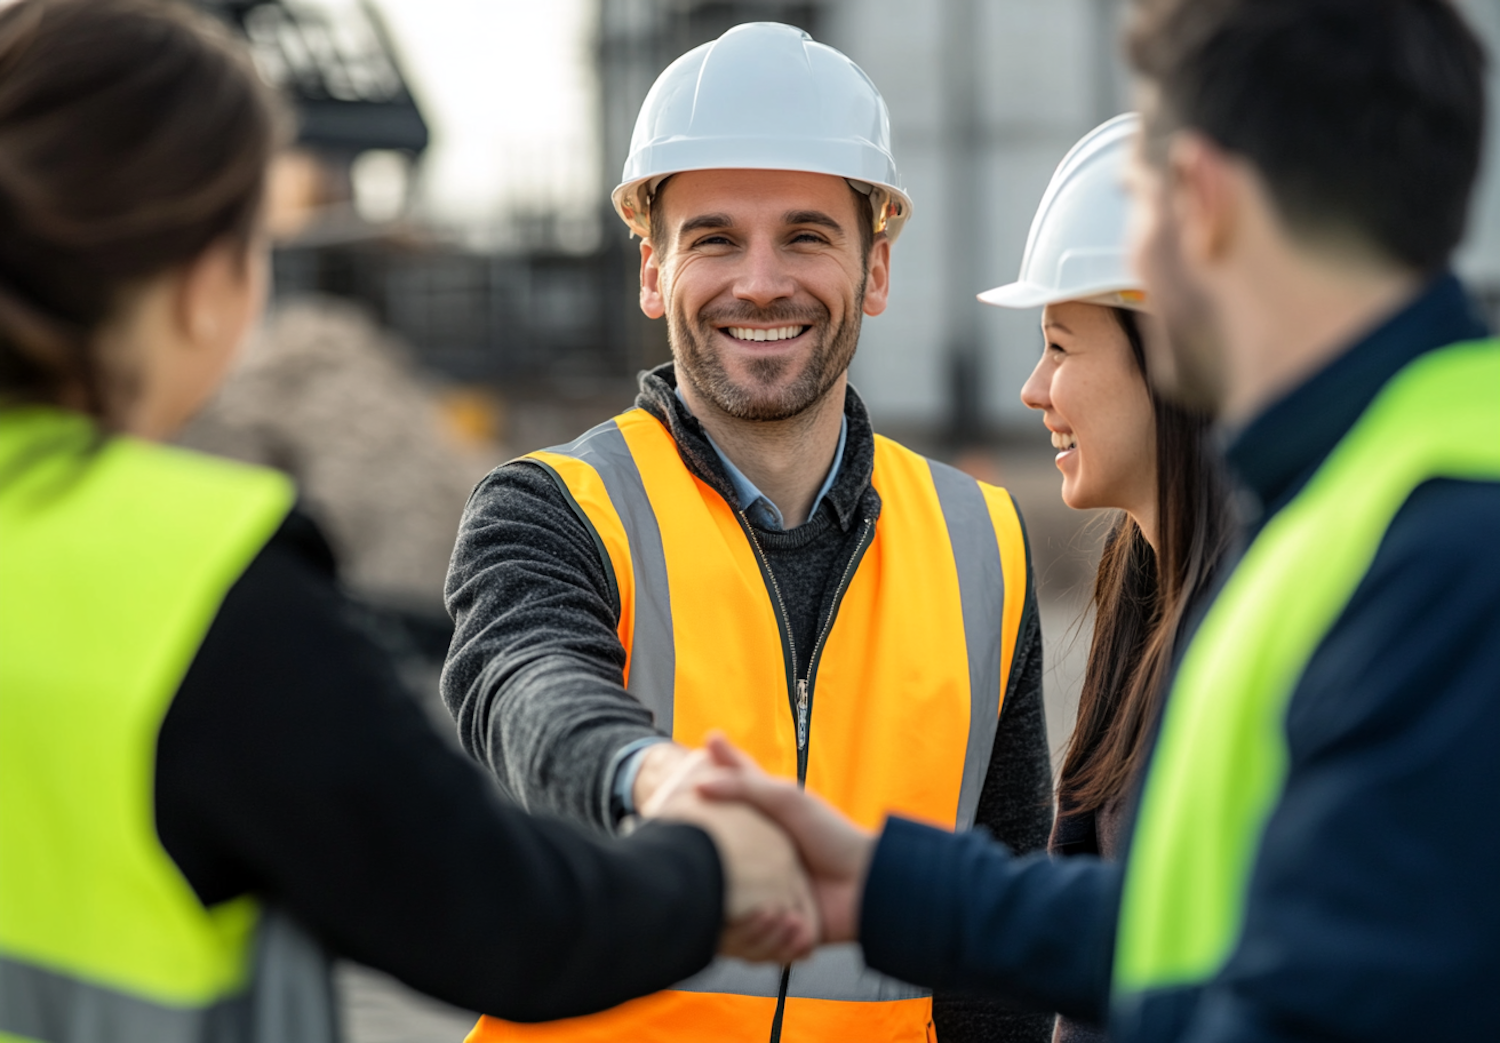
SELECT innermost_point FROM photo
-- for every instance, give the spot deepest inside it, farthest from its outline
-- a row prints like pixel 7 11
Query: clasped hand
pixel 794 868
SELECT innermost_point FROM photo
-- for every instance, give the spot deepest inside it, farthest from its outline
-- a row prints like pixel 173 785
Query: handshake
pixel 794 868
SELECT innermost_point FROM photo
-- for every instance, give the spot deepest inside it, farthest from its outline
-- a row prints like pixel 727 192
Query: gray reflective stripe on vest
pixel 981 588
pixel 835 972
pixel 291 1001
pixel 653 657
pixel 736 977
pixel 838 972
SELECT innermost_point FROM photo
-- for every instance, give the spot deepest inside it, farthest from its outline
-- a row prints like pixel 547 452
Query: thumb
pixel 725 754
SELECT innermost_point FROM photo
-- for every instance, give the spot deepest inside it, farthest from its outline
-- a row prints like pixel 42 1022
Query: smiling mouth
pixel 1064 441
pixel 747 333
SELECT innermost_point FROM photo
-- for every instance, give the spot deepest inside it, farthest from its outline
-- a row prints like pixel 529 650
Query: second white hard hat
pixel 1076 250
pixel 764 96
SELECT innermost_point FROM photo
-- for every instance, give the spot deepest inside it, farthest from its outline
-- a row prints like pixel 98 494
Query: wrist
pixel 655 765
pixel 621 776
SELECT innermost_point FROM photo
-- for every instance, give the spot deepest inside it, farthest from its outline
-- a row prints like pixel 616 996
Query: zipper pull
pixel 801 715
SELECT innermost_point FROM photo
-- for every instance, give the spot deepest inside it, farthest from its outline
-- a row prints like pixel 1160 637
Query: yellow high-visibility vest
pixel 114 560
pixel 895 710
pixel 1221 762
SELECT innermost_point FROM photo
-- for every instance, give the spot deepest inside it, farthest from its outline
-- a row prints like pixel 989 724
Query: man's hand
pixel 835 852
pixel 769 911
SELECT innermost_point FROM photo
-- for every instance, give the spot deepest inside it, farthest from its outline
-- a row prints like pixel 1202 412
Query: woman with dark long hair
pixel 1122 446
pixel 210 778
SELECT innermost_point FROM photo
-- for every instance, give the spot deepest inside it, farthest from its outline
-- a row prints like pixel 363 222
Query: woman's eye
pixel 1055 348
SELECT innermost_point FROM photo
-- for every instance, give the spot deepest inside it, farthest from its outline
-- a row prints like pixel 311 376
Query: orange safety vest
pixel 907 682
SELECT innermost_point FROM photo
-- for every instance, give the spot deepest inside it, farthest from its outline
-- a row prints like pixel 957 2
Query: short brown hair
pixel 1365 117
pixel 133 135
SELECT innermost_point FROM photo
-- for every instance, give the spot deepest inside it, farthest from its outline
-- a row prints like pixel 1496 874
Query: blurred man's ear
pixel 653 299
pixel 1206 191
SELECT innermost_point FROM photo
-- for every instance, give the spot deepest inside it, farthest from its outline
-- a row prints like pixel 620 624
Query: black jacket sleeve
pixel 534 675
pixel 1015 807
pixel 293 765
pixel 961 912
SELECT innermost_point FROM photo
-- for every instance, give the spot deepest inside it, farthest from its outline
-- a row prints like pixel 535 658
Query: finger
pixel 795 940
pixel 726 755
pixel 724 785
pixel 777 799
pixel 756 937
pixel 790 939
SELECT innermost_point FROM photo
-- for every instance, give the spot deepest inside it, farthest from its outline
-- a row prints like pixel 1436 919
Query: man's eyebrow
pixel 694 224
pixel 812 217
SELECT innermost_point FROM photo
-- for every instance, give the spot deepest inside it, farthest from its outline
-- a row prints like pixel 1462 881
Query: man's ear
pixel 878 281
pixel 653 297
pixel 1205 188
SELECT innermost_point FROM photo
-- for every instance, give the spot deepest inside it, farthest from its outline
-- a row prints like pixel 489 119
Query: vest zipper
pixel 801 694
pixel 805 685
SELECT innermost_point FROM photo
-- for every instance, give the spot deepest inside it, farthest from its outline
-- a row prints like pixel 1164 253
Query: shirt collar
pixel 1276 453
pixel 756 504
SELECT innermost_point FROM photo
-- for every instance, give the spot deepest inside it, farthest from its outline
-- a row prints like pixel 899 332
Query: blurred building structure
pixel 985 97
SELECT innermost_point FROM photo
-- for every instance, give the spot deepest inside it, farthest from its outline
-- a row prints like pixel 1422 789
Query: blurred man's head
pixel 1346 129
pixel 763 276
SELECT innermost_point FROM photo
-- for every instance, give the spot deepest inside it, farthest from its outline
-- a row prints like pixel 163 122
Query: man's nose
pixel 764 276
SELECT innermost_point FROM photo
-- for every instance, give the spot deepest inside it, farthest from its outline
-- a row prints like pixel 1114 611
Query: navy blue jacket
pixel 1374 905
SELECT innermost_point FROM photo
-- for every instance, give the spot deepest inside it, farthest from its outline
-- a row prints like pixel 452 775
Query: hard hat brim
pixel 634 211
pixel 1022 295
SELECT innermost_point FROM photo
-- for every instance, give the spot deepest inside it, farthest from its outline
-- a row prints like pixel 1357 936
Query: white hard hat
pixel 1076 250
pixel 764 96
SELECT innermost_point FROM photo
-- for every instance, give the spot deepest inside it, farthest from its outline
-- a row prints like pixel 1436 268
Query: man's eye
pixel 808 237
pixel 713 240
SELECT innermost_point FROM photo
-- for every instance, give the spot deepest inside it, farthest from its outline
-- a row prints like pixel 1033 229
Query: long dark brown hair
pixel 134 134
pixel 1140 600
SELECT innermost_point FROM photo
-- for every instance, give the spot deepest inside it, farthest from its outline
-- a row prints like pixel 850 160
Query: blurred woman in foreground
pixel 199 755
pixel 1122 447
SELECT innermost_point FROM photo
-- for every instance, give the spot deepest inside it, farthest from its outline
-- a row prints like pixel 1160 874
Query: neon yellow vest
pixel 112 566
pixel 1222 757
pixel 894 709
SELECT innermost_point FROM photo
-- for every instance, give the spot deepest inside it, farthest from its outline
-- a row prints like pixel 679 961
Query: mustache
pixel 783 313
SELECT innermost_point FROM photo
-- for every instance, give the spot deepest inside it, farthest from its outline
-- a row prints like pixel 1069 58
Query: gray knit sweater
pixel 533 675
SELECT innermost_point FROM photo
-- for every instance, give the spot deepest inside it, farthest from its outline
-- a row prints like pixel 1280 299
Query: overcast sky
pixel 507 89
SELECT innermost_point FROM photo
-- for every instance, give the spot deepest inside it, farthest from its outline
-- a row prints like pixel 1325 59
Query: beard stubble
pixel 766 394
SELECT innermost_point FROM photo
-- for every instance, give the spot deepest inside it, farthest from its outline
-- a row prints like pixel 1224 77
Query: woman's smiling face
pixel 1093 399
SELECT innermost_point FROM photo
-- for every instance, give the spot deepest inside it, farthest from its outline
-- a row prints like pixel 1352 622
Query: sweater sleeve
pixel 293 765
pixel 1015 806
pixel 534 674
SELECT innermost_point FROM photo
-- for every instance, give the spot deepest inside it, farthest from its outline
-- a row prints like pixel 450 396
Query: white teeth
pixel 747 333
pixel 1063 441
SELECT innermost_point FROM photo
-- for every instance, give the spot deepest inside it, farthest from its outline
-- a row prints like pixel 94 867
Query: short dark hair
pixel 862 209
pixel 133 135
pixel 1365 117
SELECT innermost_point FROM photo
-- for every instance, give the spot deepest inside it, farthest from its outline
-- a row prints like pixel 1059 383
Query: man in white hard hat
pixel 740 552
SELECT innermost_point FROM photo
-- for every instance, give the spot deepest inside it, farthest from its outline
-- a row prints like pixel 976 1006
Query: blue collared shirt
pixel 756 504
